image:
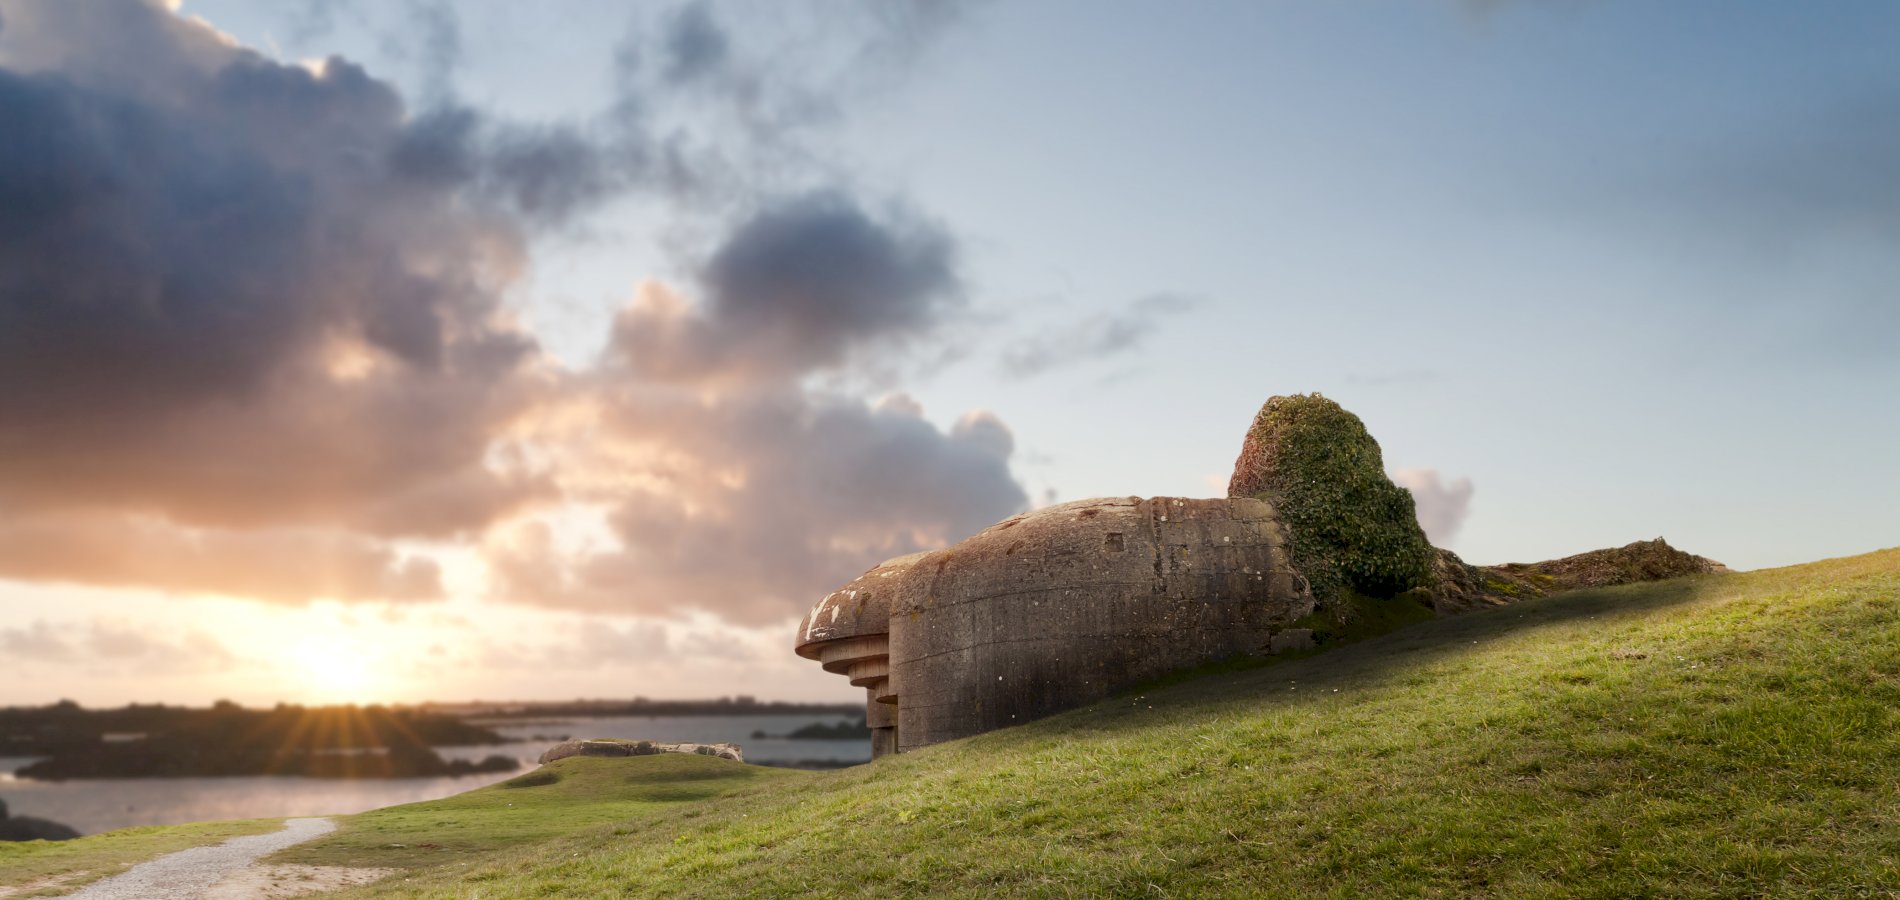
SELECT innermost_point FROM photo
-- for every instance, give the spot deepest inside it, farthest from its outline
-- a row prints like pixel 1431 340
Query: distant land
pixel 227 739
pixel 341 741
pixel 639 706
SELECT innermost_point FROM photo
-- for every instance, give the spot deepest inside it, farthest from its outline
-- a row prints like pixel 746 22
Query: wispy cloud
pixel 115 644
pixel 1095 337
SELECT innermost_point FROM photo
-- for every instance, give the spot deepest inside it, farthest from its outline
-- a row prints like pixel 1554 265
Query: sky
pixel 390 351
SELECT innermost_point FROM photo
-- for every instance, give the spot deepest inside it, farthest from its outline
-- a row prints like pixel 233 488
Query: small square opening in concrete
pixel 1113 541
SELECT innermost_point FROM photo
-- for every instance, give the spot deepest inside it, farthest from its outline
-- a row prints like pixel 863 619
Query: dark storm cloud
pixel 221 303
pixel 798 286
pixel 1098 336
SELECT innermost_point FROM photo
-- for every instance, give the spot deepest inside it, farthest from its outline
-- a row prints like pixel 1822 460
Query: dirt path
pixel 229 870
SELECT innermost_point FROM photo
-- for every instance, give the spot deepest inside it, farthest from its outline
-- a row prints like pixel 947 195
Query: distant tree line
pixel 140 741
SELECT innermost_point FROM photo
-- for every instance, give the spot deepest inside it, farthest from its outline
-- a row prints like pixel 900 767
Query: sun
pixel 333 671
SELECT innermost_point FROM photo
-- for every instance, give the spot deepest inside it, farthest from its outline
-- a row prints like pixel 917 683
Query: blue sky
pixel 1627 268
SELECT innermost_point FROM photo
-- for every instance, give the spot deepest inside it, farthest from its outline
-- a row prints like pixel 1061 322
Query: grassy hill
pixel 1717 736
pixel 1728 735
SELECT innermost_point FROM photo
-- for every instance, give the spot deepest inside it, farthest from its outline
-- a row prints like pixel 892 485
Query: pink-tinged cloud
pixel 275 566
pixel 121 645
pixel 1442 505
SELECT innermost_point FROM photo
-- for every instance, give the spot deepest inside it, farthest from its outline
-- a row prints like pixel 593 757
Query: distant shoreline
pixel 639 706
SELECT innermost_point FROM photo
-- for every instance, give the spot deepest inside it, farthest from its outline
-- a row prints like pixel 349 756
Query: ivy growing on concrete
pixel 1351 528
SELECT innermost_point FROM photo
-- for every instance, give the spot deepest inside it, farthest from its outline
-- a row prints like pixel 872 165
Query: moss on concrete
pixel 1354 617
pixel 1351 528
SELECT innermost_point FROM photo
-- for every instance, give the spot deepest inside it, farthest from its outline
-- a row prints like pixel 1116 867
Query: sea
pixel 95 805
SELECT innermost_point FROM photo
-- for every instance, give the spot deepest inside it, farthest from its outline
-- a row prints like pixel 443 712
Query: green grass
pixel 87 859
pixel 1717 736
pixel 557 799
pixel 1357 617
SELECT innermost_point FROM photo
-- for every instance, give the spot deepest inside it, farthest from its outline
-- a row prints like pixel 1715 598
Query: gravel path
pixel 187 874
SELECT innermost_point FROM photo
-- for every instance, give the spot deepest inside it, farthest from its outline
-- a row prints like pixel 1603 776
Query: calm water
pixel 92 806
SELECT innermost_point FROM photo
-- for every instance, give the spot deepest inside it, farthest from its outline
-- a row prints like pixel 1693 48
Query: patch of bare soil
pixel 44 883
pixel 32 888
pixel 290 881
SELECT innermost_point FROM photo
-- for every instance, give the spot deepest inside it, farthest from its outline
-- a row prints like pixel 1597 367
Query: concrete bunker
pixel 1054 609
pixel 1066 605
pixel 848 632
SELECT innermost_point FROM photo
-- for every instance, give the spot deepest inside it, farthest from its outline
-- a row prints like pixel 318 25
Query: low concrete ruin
pixel 617 747
pixel 1054 609
pixel 1058 608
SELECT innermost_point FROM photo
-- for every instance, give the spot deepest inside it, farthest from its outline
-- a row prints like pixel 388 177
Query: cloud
pixel 753 503
pixel 582 645
pixel 729 483
pixel 1096 337
pixel 702 118
pixel 276 566
pixel 253 333
pixel 309 20
pixel 591 644
pixel 221 303
pixel 795 67
pixel 797 286
pixel 1442 506
pixel 695 47
pixel 435 33
pixel 135 648
pixel 38 642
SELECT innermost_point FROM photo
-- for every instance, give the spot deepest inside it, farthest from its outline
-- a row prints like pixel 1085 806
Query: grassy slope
pixel 1713 736
pixel 554 800
pixel 445 836
pixel 87 859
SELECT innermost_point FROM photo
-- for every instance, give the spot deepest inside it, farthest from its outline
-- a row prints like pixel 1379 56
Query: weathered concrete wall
pixel 881 718
pixel 848 632
pixel 1063 606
